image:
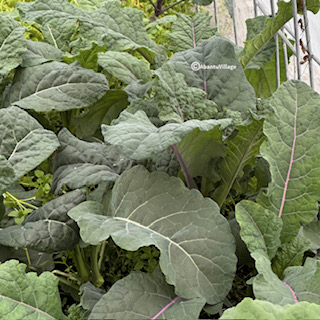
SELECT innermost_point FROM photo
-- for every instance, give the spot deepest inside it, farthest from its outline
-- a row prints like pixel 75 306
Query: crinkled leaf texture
pixel 136 137
pixel 79 163
pixel 124 67
pixel 7 174
pixel 47 229
pixel 188 32
pixel 195 240
pixel 176 101
pixel 27 296
pixel 256 309
pixel 290 254
pixel 117 28
pixel 305 280
pixel 143 296
pixel 23 141
pixel 38 53
pixel 260 228
pixel 55 86
pixel 226 87
pixel 292 150
pixel 12 44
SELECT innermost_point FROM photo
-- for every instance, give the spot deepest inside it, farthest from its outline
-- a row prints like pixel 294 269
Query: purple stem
pixel 165 308
pixel 181 114
pixel 190 182
pixel 290 164
pixel 293 293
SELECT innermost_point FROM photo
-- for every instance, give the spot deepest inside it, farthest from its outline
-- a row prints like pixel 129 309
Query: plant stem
pixel 66 282
pixel 189 180
pixel 28 257
pixel 101 254
pixel 97 277
pixel 204 186
pixel 172 5
pixel 81 265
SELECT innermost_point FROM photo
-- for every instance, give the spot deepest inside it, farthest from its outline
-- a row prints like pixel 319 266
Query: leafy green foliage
pixel 25 295
pixel 257 309
pixel 135 219
pixel 224 81
pixel 87 98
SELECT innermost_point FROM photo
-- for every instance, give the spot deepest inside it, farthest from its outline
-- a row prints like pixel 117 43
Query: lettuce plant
pixel 180 169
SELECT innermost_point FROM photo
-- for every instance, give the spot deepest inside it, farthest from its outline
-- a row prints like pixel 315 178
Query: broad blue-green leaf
pixel 136 137
pixel 90 295
pixel 27 296
pixel 305 280
pixel 256 310
pixel 124 67
pixel 38 53
pixel 12 44
pixel 103 111
pixel 23 141
pixel 200 149
pixel 254 27
pixel 47 229
pixel 89 4
pixel 56 86
pixel 225 83
pixel 7 174
pixel 79 163
pixel 143 296
pixel 241 151
pixel 188 32
pixel 290 254
pixel 267 286
pixel 196 244
pixel 291 149
pixel 176 101
pixel 260 228
pixel 118 28
pixel 264 79
pixel 165 161
pixel 311 231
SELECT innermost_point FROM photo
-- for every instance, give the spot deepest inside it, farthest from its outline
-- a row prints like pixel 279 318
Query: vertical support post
pixel 308 38
pixel 216 14
pixel 277 66
pixel 296 33
pixel 285 58
pixel 255 8
pixel 234 22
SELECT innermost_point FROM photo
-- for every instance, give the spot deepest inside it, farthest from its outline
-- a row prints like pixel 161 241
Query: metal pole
pixel 255 8
pixel 216 14
pixel 285 58
pixel 234 23
pixel 297 38
pixel 277 49
pixel 307 29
